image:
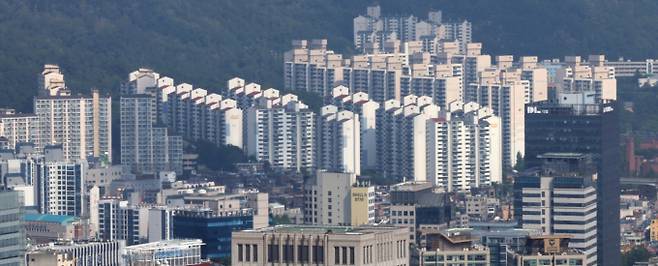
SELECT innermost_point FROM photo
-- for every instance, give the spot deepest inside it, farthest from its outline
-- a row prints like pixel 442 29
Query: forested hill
pixel 206 42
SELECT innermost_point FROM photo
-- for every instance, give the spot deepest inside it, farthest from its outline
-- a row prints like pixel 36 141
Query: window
pixel 344 255
pixel 336 255
pixel 302 253
pixel 254 248
pixel 351 255
pixel 240 252
pixel 247 252
pixel 318 254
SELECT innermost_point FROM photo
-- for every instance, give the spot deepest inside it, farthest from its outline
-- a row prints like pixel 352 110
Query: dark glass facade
pixel 214 231
pixel 591 129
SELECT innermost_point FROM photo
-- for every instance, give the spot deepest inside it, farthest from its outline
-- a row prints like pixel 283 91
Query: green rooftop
pixel 49 218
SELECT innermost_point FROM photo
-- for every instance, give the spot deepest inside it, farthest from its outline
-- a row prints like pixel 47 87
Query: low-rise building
pixel 549 250
pixel 322 245
pixel 453 247
pixel 167 252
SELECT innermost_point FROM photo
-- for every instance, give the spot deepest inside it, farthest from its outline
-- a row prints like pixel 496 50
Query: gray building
pixel 561 199
pixel 12 234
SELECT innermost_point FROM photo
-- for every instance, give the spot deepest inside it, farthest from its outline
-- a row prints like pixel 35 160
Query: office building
pixel 326 245
pixel 550 250
pixel 213 228
pixel 81 124
pixel 107 253
pixel 339 137
pixel 464 148
pixel 45 228
pixel 417 204
pixel 589 129
pixel 282 132
pixel 212 215
pixel 11 225
pixel 561 198
pixel 328 199
pixel 179 252
pixel 451 247
pixel 60 187
pixel 118 221
pixel 362 204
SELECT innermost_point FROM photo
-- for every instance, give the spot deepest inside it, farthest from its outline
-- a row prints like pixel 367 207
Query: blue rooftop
pixel 49 218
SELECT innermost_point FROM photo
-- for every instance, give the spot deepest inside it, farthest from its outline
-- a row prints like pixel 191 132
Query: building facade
pixel 326 245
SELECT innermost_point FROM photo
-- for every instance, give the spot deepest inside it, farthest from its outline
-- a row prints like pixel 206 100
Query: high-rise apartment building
pixel 81 124
pixel 507 101
pixel 339 147
pixel 282 131
pixel 146 146
pixel 19 128
pixel 325 245
pixel 360 104
pixel 402 136
pixel 11 227
pixel 373 31
pixel 561 199
pixel 464 148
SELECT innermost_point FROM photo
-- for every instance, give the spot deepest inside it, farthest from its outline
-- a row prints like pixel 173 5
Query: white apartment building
pixel 628 68
pixel 81 124
pixel 360 104
pixel 373 31
pixel 282 132
pixel 401 135
pixel 507 101
pixel 339 146
pixel 464 148
pixel 19 128
pixel 382 76
pixel 145 146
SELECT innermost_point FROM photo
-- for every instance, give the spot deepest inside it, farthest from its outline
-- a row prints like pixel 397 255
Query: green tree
pixel 637 254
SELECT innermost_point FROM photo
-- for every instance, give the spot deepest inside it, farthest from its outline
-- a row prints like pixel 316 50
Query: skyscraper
pixel 590 129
